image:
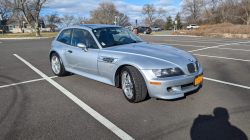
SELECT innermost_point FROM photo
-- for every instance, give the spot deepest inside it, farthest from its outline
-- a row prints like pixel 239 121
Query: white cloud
pixel 83 7
pixel 163 2
pixel 182 3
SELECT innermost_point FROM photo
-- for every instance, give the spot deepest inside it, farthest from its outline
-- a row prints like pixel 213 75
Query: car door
pixel 143 29
pixel 80 60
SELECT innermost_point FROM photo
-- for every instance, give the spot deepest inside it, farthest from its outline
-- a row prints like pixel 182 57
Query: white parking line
pixel 120 133
pixel 25 82
pixel 223 57
pixel 233 49
pixel 203 49
pixel 185 45
pixel 232 84
pixel 244 44
pixel 196 41
pixel 217 46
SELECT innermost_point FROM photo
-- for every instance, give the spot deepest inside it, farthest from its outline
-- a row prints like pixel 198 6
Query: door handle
pixel 69 51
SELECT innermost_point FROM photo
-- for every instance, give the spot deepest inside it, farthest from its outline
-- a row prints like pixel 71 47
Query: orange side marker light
pixel 155 83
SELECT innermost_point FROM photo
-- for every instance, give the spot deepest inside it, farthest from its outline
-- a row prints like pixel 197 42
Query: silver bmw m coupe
pixel 115 56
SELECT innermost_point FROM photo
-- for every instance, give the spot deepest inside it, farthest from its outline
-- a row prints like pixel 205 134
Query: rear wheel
pixel 57 65
pixel 145 32
pixel 133 84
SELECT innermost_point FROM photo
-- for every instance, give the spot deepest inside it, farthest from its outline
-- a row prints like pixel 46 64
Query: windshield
pixel 112 36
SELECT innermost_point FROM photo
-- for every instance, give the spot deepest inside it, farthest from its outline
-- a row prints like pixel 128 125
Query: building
pixel 11 25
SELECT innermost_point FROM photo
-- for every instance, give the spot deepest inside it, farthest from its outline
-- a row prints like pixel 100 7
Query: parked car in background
pixel 192 26
pixel 156 29
pixel 143 29
pixel 116 56
pixel 171 28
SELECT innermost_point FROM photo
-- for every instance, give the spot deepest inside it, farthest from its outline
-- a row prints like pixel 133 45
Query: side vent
pixel 107 59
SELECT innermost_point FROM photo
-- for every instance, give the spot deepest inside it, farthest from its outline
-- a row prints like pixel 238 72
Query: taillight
pixel 148 29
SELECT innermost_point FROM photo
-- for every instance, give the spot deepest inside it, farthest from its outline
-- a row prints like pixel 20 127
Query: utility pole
pixel 175 26
pixel 1 19
pixel 115 20
pixel 116 17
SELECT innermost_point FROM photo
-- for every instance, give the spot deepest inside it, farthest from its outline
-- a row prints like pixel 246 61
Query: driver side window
pixel 79 36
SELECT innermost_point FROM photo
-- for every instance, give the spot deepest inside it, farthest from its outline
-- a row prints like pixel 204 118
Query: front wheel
pixel 133 84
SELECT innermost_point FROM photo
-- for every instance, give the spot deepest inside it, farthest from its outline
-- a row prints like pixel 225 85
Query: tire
pixel 145 32
pixel 135 90
pixel 57 65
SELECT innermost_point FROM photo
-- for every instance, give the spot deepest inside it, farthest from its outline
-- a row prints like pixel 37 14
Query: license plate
pixel 198 80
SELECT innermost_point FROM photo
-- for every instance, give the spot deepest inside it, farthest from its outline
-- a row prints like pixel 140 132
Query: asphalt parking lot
pixel 34 104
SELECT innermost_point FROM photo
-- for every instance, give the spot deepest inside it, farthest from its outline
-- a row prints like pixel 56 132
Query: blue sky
pixel 132 8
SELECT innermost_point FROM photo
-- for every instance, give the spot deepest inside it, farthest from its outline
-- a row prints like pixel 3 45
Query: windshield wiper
pixel 132 42
pixel 113 44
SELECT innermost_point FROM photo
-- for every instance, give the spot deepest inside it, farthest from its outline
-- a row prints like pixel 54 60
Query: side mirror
pixel 83 46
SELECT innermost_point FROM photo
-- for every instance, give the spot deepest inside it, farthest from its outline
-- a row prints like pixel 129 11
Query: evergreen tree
pixel 179 23
pixel 169 23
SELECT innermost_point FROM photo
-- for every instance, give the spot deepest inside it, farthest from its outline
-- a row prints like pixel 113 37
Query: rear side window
pixel 64 37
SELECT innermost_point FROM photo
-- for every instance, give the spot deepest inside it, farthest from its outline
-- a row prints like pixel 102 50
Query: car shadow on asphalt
pixel 215 127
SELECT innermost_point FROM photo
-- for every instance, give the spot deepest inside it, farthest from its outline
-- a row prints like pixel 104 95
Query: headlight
pixel 160 73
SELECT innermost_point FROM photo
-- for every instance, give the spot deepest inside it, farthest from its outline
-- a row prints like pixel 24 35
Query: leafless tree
pixel 150 12
pixel 5 8
pixel 160 23
pixel 123 20
pixel 193 8
pixel 154 16
pixel 67 20
pixel 53 19
pixel 31 12
pixel 16 14
pixel 245 8
pixel 45 19
pixel 162 14
pixel 105 13
pixel 81 20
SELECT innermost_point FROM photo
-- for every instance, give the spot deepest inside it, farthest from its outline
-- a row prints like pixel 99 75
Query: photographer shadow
pixel 217 127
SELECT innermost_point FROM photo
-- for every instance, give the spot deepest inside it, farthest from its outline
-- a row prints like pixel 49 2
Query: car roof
pixel 95 26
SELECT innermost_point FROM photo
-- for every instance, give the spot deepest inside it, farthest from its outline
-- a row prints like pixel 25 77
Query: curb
pixel 25 38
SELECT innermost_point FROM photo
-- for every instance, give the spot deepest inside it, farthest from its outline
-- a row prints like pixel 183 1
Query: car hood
pixel 155 51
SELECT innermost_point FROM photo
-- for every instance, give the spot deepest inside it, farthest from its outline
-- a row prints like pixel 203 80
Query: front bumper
pixel 171 87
